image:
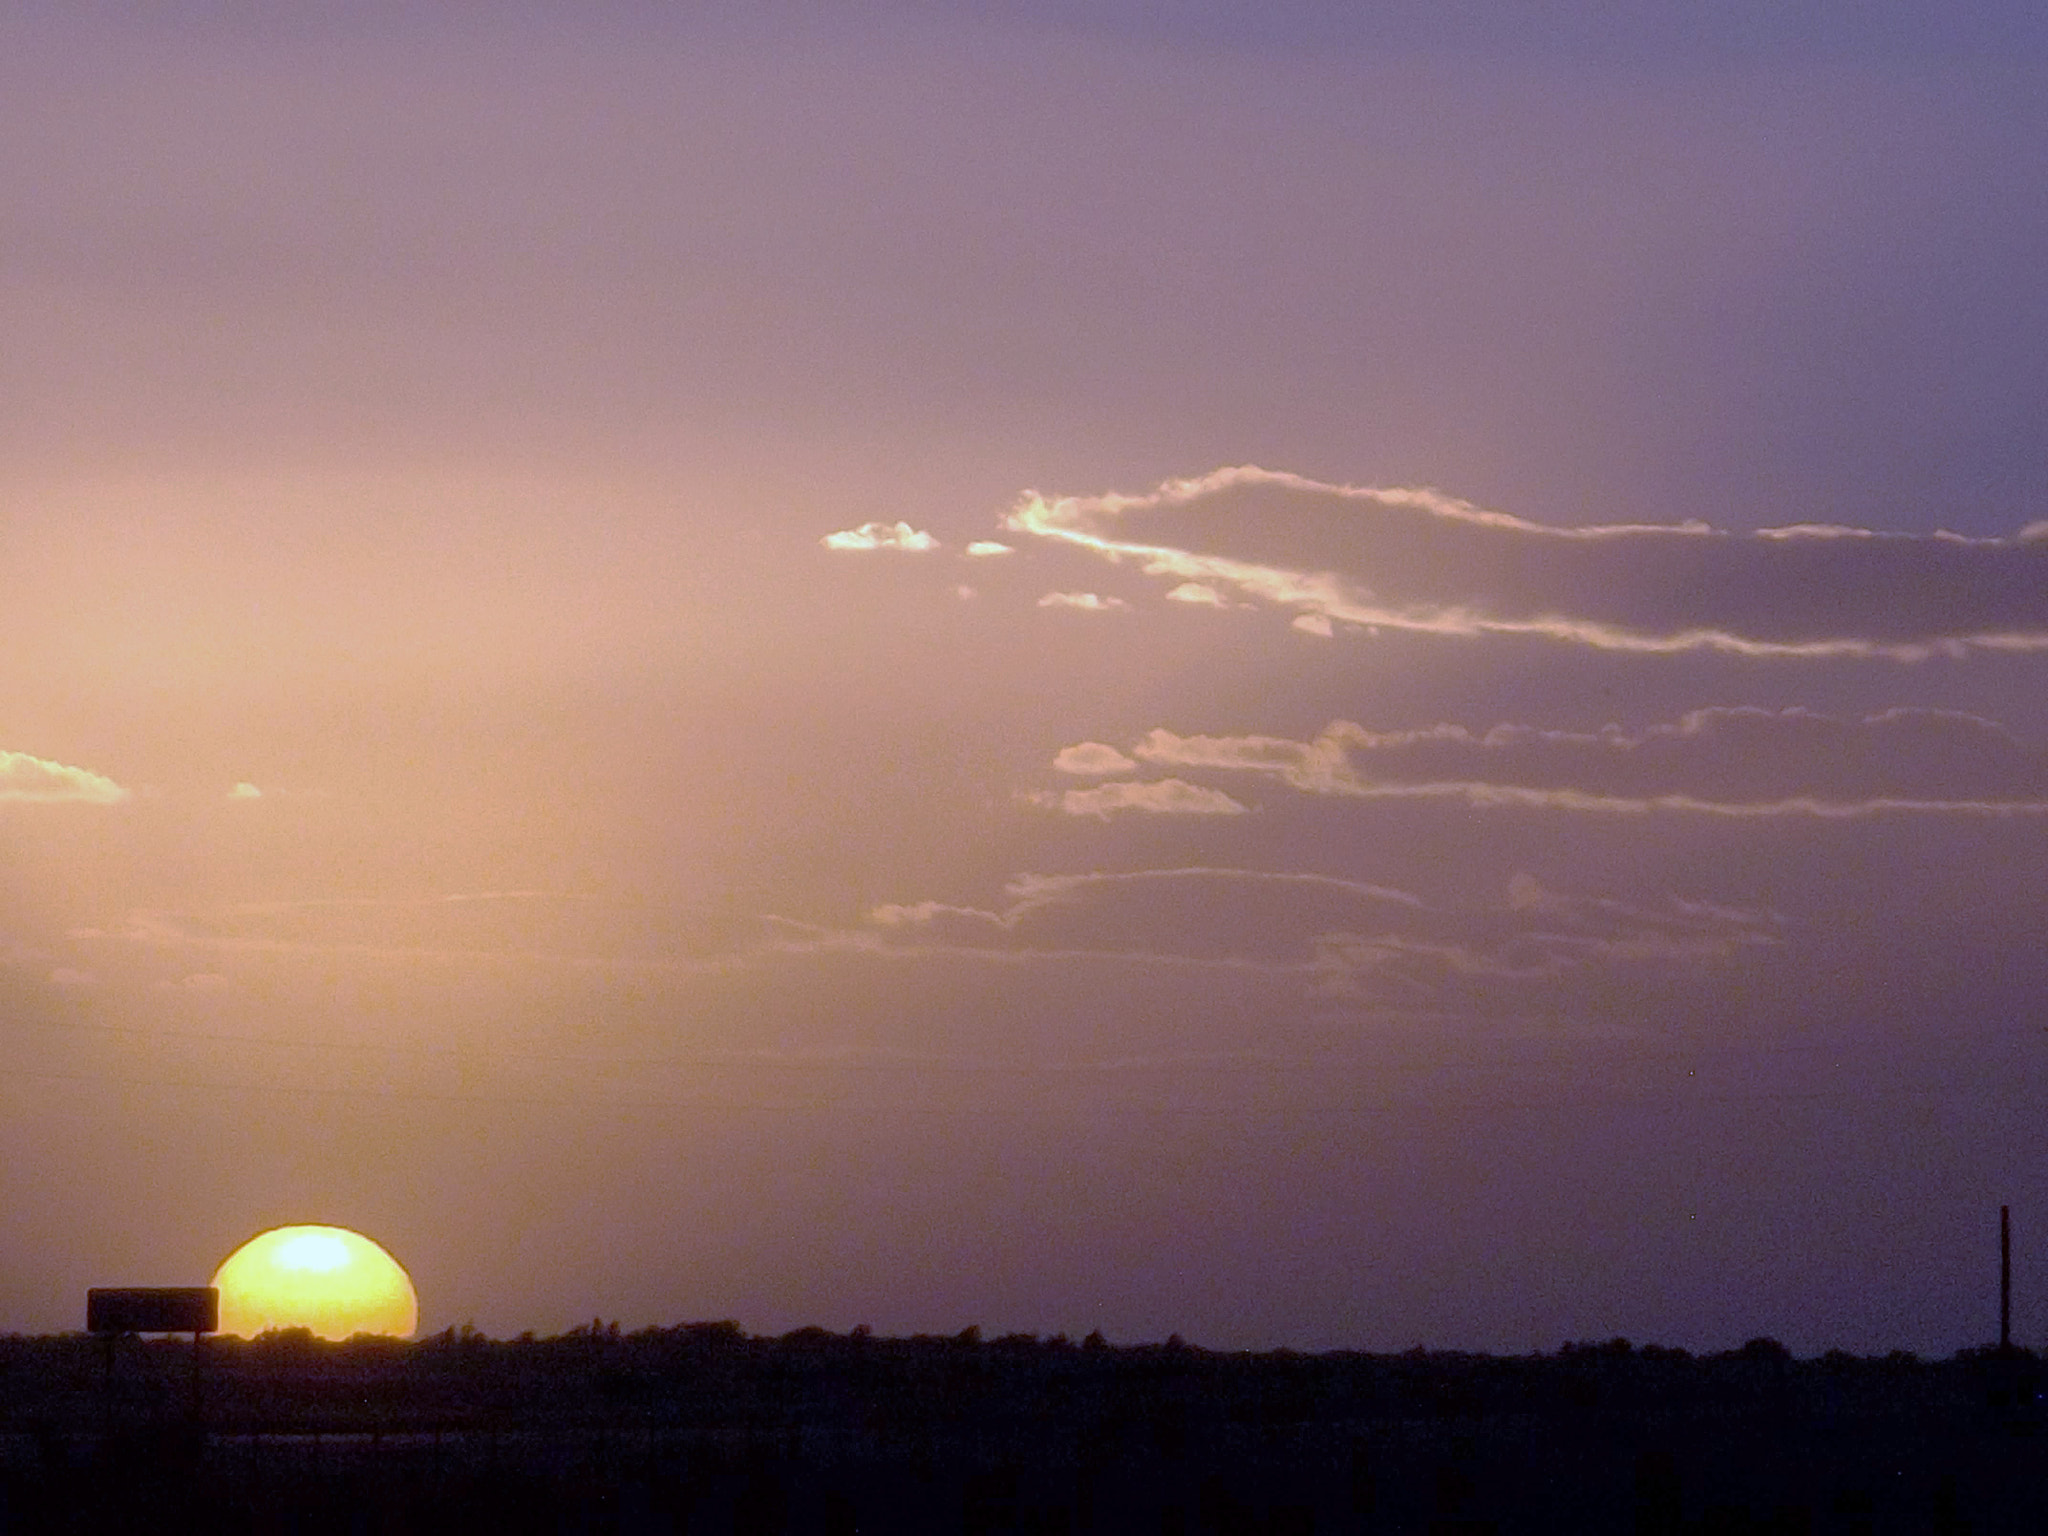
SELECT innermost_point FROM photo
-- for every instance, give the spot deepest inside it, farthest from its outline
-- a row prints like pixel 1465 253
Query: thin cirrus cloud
pixel 494 928
pixel 25 778
pixel 871 536
pixel 1419 561
pixel 1741 762
pixel 1338 936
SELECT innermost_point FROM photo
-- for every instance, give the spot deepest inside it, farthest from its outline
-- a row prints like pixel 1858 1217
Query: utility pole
pixel 2004 1278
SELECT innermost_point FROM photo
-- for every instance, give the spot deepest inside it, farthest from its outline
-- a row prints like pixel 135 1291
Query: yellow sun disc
pixel 329 1279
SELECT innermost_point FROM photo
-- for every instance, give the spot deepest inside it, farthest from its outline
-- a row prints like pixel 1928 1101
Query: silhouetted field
pixel 701 1428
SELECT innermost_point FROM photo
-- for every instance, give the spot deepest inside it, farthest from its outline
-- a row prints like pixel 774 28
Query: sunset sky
pixel 1210 668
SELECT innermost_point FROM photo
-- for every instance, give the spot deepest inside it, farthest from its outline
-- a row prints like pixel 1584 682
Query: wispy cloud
pixel 899 536
pixel 983 548
pixel 14 953
pixel 1418 561
pixel 1736 762
pixel 37 779
pixel 1342 938
pixel 1158 797
pixel 463 928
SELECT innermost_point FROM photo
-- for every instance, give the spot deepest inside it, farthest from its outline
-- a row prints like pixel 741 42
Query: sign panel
pixel 153 1309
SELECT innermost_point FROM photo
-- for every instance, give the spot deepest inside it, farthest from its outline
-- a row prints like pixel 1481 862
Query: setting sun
pixel 329 1279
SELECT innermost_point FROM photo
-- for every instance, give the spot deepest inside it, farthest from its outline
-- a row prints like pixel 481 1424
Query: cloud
pixel 1542 935
pixel 881 536
pixel 1160 797
pixel 1737 762
pixel 37 779
pixel 1092 757
pixel 982 548
pixel 1088 602
pixel 1197 592
pixel 1317 624
pixel 14 953
pixel 1339 937
pixel 245 791
pixel 508 928
pixel 1047 901
pixel 1421 562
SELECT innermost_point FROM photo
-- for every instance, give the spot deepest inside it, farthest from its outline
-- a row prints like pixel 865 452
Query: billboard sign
pixel 153 1309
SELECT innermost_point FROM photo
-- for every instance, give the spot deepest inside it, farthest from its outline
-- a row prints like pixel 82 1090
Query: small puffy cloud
pixel 37 779
pixel 1317 624
pixel 1092 757
pixel 1199 592
pixel 1087 602
pixel 1161 797
pixel 245 791
pixel 881 536
pixel 983 548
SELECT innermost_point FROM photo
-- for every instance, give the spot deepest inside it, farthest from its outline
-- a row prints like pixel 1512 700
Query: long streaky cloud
pixel 1732 762
pixel 1031 895
pixel 1342 938
pixel 1160 797
pixel 168 931
pixel 38 780
pixel 1418 561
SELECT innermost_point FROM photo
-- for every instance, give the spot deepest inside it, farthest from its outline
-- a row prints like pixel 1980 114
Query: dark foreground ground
pixel 702 1429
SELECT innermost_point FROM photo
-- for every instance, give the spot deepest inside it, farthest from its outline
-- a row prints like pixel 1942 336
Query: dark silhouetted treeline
pixel 702 1428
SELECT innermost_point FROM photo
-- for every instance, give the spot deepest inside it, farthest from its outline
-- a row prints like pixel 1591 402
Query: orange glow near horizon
pixel 329 1279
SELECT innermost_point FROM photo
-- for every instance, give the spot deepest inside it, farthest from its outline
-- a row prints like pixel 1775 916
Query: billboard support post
pixel 193 1309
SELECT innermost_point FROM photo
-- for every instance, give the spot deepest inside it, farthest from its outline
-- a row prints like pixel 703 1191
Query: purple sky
pixel 643 657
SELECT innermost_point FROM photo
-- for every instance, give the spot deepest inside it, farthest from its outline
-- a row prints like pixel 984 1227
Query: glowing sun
pixel 329 1279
